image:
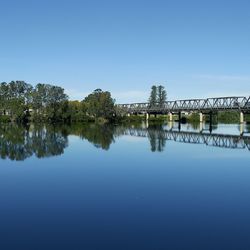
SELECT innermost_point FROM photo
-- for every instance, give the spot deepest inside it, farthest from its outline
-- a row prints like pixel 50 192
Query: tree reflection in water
pixel 155 134
pixel 156 138
pixel 100 135
pixel 18 142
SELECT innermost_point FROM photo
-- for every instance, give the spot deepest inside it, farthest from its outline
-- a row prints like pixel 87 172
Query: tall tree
pixel 161 95
pixel 153 96
pixel 158 96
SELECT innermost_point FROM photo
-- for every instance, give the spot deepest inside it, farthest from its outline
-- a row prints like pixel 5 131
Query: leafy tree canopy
pixel 100 104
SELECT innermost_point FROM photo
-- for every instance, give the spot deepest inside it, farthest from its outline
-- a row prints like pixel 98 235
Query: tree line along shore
pixel 22 102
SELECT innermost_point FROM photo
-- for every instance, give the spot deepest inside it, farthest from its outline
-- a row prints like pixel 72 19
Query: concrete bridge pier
pixel 201 117
pixel 201 127
pixel 201 122
pixel 170 115
pixel 147 116
pixel 241 117
pixel 241 129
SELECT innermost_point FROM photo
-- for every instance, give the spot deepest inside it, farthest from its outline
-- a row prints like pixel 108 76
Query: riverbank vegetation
pixel 21 102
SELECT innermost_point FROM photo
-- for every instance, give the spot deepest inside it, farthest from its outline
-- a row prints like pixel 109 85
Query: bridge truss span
pixel 237 103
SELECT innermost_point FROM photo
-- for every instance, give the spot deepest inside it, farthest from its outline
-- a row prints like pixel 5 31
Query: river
pixel 136 186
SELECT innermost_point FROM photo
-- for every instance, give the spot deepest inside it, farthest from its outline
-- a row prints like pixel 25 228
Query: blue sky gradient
pixel 193 48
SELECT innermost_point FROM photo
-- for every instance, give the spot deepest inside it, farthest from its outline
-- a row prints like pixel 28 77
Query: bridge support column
pixel 241 117
pixel 201 117
pixel 147 116
pixel 170 115
pixel 201 127
pixel 241 129
pixel 128 114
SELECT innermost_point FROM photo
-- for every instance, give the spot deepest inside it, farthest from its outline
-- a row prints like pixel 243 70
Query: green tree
pixel 153 96
pixel 76 111
pixel 15 98
pixel 100 104
pixel 39 99
pixel 49 102
pixel 56 102
pixel 158 96
pixel 4 92
pixel 161 95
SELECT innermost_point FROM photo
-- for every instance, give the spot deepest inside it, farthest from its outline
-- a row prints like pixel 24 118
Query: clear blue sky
pixel 193 48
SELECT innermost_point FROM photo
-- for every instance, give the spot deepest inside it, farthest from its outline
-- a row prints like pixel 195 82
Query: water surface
pixel 124 187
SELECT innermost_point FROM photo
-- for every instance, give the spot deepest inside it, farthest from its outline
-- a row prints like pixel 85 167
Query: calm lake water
pixel 124 187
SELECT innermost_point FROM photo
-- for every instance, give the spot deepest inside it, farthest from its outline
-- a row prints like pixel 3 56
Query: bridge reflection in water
pixel 208 139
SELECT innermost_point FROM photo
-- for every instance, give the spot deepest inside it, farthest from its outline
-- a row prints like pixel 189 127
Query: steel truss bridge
pixel 214 140
pixel 237 103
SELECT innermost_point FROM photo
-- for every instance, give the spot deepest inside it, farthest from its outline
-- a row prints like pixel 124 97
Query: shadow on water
pixel 18 142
